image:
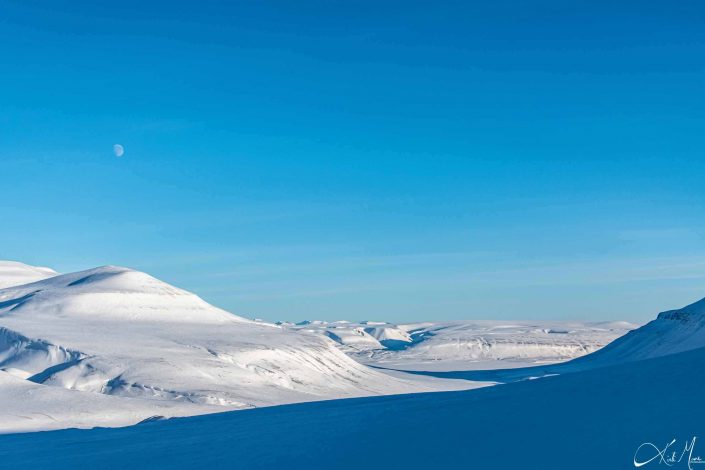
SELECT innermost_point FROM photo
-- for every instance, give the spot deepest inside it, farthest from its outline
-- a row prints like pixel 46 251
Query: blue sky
pixel 363 160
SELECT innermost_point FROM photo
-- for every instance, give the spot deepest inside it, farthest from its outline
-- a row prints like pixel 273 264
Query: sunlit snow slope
pixel 13 273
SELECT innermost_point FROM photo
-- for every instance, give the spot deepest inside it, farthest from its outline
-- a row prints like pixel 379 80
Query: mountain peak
pixel 110 292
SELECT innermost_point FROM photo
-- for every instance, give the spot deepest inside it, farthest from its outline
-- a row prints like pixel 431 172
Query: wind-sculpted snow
pixel 122 333
pixel 29 358
pixel 114 294
pixel 467 344
pixel 28 406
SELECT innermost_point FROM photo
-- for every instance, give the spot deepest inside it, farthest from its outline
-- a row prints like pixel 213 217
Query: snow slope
pixel 13 273
pixel 463 345
pixel 594 419
pixel 671 332
pixel 122 333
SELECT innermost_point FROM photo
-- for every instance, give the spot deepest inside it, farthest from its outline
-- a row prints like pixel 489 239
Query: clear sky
pixel 373 160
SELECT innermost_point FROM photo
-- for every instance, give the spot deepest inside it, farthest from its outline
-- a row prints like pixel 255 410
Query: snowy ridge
pixel 672 332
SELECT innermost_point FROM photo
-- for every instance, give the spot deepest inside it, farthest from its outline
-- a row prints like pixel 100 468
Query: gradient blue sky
pixel 363 160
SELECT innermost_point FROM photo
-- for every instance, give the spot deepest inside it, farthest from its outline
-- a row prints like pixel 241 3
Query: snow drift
pixel 672 332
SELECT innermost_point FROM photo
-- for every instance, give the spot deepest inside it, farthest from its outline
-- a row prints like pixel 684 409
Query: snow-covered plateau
pixel 463 345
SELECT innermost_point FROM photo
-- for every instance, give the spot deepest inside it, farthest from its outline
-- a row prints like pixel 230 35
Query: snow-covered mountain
pixel 13 273
pixel 122 333
pixel 461 345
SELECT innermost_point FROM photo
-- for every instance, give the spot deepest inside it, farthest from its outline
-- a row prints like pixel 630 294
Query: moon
pixel 119 150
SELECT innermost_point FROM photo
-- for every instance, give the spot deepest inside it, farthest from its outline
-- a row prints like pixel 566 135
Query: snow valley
pixel 111 346
pixel 466 344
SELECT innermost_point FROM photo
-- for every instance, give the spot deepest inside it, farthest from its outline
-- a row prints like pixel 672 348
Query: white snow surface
pixel 13 273
pixel 113 332
pixel 28 406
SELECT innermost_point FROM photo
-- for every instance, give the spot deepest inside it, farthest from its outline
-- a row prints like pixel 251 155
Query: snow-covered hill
pixel 122 333
pixel 13 273
pixel 462 345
